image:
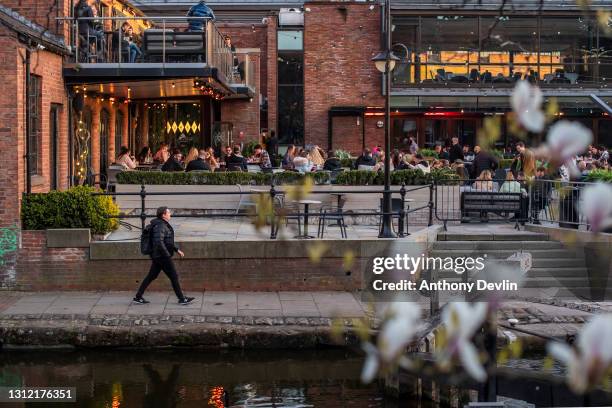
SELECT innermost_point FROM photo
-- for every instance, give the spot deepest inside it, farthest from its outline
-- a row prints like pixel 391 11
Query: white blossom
pixel 526 101
pixel 461 321
pixel 596 206
pixel 567 139
pixel 590 361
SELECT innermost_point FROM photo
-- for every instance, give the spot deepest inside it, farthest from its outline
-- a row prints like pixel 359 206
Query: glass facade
pixel 290 87
pixel 554 50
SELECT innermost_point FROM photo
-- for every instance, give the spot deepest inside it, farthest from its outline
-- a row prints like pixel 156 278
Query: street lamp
pixel 385 62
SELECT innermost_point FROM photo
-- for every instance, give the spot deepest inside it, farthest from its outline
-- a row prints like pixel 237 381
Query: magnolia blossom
pixel 590 361
pixel 461 321
pixel 402 322
pixel 565 140
pixel 596 206
pixel 526 102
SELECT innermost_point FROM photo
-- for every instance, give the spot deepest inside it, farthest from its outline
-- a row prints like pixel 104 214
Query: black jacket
pixel 272 146
pixel 197 164
pixel 172 165
pixel 456 152
pixel 236 161
pixel 365 161
pixel 332 164
pixel 484 161
pixel 162 239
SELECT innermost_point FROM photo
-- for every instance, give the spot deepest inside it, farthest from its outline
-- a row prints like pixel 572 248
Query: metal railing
pixel 162 40
pixel 552 202
pixel 276 214
pixel 243 70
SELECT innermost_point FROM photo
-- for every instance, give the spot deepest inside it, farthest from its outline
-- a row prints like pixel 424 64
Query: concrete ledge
pixel 570 235
pixel 68 238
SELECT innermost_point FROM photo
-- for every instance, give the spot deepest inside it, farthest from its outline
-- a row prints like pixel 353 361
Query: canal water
pixel 196 378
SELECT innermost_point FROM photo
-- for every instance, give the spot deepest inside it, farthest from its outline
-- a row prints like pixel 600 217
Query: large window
pixel 119 132
pixel 290 87
pixel 35 125
pixel 501 49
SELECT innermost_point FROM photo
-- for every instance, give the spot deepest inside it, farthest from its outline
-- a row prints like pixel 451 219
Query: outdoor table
pixel 306 204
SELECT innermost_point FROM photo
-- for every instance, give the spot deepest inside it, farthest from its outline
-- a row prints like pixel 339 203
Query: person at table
pixel 484 182
pixel 174 162
pixel 272 146
pixel 192 154
pixel 227 153
pixel 236 160
pixel 511 185
pixel 130 43
pixel 261 157
pixel 365 159
pixel 125 159
pixel 301 162
pixel 483 161
pixel 332 163
pixel 199 10
pixel 287 162
pixel 380 162
pixel 199 163
pixel 163 154
pixel 316 156
pixel 145 156
pixel 212 161
pixel 456 151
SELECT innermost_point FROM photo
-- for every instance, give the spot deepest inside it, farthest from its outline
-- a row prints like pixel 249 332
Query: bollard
pixel 273 215
pixel 402 212
pixel 143 215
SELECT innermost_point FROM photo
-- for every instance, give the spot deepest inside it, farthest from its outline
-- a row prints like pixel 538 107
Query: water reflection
pixel 196 378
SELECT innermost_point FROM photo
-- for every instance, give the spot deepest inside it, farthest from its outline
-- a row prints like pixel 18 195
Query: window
pixel 118 132
pixel 290 87
pixel 35 126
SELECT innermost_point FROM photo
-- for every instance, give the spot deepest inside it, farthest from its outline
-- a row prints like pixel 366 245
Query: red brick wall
pixel 42 12
pixel 272 70
pixel 340 38
pixel 40 269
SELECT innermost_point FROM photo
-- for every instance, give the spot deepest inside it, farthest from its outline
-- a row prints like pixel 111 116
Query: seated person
pixel 145 155
pixel 128 42
pixel 380 162
pixel 212 161
pixel 199 10
pixel 511 185
pixel 261 157
pixel 332 163
pixel 162 154
pixel 174 162
pixel 484 182
pixel 287 162
pixel 125 160
pixel 315 156
pixel 199 163
pixel 227 152
pixel 301 163
pixel 365 159
pixel 236 160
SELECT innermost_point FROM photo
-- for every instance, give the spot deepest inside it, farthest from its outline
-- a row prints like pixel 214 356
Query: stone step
pixel 561 263
pixel 557 272
pixel 476 236
pixel 549 282
pixel 496 245
pixel 505 253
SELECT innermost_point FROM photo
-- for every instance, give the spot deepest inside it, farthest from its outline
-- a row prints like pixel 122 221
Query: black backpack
pixel 145 240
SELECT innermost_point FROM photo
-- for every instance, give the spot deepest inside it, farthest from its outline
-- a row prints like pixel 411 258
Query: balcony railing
pixel 243 71
pixel 133 41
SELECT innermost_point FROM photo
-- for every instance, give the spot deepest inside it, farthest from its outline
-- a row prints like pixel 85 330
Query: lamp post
pixel 385 62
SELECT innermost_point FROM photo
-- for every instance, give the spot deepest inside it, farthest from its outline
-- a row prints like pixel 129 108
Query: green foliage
pixel 74 208
pixel 413 177
pixel 429 153
pixel 217 178
pixel 347 162
pixel 600 175
pixel 505 163
pixel 342 154
pixel 497 153
pixel 249 149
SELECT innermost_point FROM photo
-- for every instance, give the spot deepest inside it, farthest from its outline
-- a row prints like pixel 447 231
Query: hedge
pixel 74 208
pixel 217 178
pixel 428 153
pixel 413 177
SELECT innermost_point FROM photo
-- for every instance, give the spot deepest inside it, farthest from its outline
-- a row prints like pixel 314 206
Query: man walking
pixel 162 249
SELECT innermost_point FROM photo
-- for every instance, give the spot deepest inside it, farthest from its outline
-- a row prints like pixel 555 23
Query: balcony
pixel 132 50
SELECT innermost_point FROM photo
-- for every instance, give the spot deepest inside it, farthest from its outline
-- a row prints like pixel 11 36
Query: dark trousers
pixel 158 265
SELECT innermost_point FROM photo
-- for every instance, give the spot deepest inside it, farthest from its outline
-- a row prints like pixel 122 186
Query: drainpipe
pixel 27 123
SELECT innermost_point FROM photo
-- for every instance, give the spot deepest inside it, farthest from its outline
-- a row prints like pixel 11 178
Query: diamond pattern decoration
pixel 168 127
pixel 188 127
pixel 195 126
pixel 174 127
pixel 181 127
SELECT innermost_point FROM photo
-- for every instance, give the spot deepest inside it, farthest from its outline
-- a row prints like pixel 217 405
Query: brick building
pixel 301 68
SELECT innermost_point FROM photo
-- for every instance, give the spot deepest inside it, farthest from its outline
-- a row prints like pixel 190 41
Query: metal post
pixel 143 215
pixel 386 230
pixel 273 215
pixel 119 46
pixel 431 205
pixel 402 212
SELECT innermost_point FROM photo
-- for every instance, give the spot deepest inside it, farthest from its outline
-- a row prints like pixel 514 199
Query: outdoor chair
pixel 288 212
pixel 332 213
pixel 253 168
pixel 365 167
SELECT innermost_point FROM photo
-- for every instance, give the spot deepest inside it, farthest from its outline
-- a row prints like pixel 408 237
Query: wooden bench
pixel 180 46
pixel 501 204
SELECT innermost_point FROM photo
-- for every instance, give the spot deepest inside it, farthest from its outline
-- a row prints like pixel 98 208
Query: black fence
pixel 274 205
pixel 538 201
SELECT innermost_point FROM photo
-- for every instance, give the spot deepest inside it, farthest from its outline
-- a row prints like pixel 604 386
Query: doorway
pixel 104 135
